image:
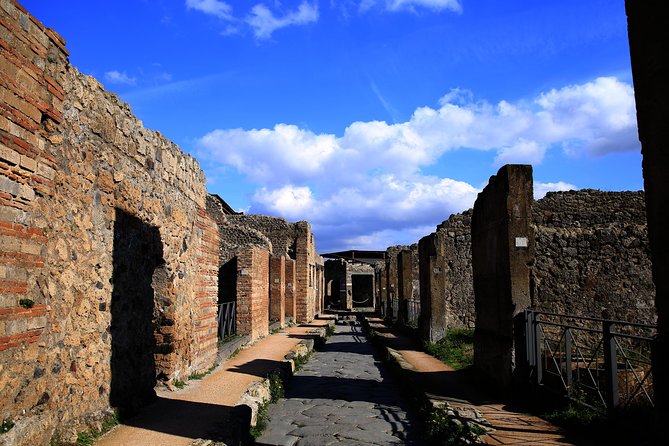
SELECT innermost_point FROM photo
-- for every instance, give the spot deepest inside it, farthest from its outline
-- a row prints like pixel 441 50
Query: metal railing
pixel 227 319
pixel 413 311
pixel 599 362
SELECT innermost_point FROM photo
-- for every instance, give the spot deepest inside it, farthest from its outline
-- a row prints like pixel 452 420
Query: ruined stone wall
pixel 455 235
pixel 80 178
pixel 446 289
pixel 592 256
pixel 308 293
pixel 502 251
pixel 392 283
pixel 281 233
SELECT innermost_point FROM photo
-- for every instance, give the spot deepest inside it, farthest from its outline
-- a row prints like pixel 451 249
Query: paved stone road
pixel 342 396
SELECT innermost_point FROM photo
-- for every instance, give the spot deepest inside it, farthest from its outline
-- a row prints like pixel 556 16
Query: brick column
pixel 253 292
pixel 303 296
pixel 206 293
pixel 290 289
pixel 502 249
pixel 277 289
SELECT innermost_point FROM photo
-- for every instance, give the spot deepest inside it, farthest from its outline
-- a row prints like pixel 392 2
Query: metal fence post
pixel 610 366
pixel 567 352
pixel 536 334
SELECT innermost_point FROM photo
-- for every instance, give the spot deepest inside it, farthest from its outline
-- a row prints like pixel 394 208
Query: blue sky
pixel 373 119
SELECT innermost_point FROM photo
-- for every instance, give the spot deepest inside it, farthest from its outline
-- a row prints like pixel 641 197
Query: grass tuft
pixel 455 349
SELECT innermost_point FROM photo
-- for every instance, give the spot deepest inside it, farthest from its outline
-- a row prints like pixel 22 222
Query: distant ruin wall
pixel 281 233
pixel 593 256
pixel 79 179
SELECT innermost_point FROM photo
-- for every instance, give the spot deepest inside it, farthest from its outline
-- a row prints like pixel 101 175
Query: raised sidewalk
pixel 446 387
pixel 213 409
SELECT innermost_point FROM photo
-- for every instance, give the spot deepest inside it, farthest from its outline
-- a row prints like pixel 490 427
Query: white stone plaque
pixel 521 242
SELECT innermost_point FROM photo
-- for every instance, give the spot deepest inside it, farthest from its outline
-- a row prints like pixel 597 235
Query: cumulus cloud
pixel 217 8
pixel 541 189
pixel 118 77
pixel 263 21
pixel 371 176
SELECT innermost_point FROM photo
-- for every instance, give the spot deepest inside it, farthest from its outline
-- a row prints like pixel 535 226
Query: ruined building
pixel 111 253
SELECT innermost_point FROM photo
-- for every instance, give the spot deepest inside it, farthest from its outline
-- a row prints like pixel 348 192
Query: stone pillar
pixel 502 250
pixel 304 299
pixel 404 283
pixel 432 321
pixel 647 27
pixel 253 292
pixel 277 289
pixel 383 282
pixel 290 289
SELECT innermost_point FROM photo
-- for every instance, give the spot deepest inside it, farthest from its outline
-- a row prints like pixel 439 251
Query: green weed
pixel 6 426
pixel 455 349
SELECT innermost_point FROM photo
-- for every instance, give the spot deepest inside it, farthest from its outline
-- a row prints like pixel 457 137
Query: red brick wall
pixel 290 289
pixel 206 293
pixel 30 107
pixel 253 292
pixel 277 293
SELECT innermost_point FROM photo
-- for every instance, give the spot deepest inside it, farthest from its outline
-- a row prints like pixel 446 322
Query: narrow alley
pixel 343 395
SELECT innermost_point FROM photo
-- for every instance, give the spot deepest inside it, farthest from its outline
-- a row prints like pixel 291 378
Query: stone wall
pixel 80 180
pixel 447 284
pixel 502 250
pixel 392 283
pixel 281 233
pixel 593 256
pixel 277 289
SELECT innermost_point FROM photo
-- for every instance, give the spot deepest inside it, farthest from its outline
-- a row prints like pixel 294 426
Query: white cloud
pixel 541 189
pixel 217 8
pixel 263 21
pixel 436 5
pixel 412 5
pixel 370 176
pixel 118 77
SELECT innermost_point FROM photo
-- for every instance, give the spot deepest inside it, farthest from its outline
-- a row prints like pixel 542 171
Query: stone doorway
pixel 138 310
pixel 227 298
pixel 362 290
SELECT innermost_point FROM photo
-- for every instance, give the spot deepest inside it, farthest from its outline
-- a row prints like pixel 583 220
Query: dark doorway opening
pixel 363 288
pixel 138 274
pixel 227 298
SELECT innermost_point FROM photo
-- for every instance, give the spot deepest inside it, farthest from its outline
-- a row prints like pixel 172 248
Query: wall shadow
pixel 194 420
pixel 137 252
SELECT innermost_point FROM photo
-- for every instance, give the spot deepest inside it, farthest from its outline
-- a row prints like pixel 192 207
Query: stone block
pixel 10 156
pixel 29 163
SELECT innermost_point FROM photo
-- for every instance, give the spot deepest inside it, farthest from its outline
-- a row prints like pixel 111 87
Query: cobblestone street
pixel 343 395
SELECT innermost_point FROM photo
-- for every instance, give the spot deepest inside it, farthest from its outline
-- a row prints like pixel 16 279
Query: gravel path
pixel 344 396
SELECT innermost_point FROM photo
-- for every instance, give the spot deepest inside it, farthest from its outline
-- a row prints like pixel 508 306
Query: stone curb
pixel 456 413
pixel 245 412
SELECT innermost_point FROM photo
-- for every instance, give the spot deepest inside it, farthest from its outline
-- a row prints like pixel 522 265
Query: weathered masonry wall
pixel 593 256
pixel 392 283
pixel 253 292
pixel 446 281
pixel 649 48
pixel 80 181
pixel 277 294
pixel 502 249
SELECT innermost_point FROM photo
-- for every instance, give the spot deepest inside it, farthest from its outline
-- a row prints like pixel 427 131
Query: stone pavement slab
pixel 345 396
pixel 206 408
